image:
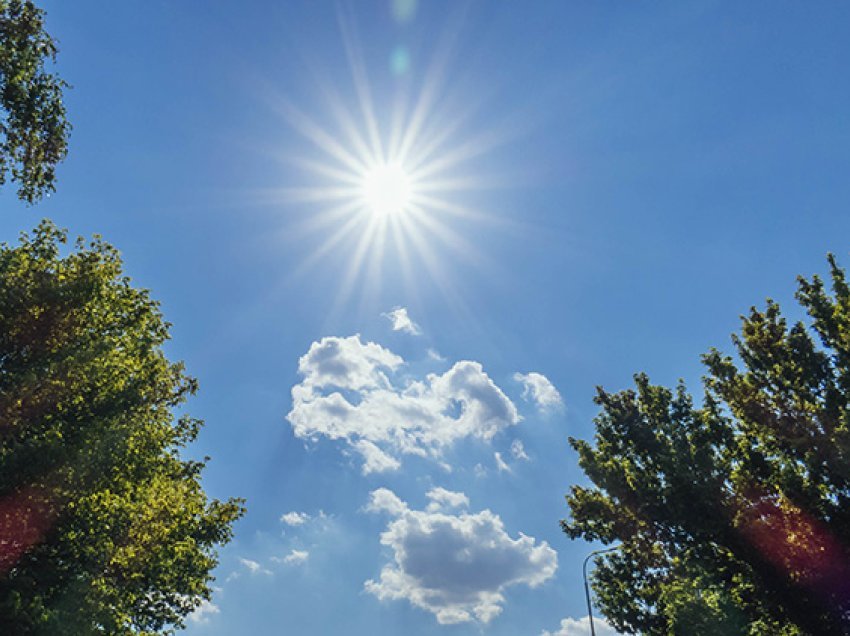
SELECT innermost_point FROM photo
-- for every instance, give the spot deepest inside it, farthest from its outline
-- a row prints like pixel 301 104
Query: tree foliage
pixel 33 128
pixel 734 516
pixel 104 527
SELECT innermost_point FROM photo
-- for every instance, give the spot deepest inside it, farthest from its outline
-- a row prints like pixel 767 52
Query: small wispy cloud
pixel 401 321
pixel 501 464
pixel 518 450
pixel 538 388
pixel 295 557
pixel 295 518
pixel 435 355
pixel 252 567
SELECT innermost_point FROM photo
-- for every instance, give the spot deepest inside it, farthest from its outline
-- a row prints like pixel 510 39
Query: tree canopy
pixel 33 128
pixel 734 516
pixel 104 526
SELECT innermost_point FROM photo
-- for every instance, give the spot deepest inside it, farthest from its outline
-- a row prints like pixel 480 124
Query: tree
pixel 734 517
pixel 33 129
pixel 104 527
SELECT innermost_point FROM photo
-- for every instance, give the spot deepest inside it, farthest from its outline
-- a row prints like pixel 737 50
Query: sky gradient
pixel 609 186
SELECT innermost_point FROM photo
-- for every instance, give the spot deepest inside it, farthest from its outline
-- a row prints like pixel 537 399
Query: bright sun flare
pixel 389 181
pixel 386 189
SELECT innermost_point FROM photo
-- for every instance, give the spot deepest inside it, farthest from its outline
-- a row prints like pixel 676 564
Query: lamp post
pixel 587 587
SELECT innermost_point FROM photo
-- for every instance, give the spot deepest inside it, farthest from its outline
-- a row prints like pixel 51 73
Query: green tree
pixel 104 527
pixel 33 129
pixel 734 516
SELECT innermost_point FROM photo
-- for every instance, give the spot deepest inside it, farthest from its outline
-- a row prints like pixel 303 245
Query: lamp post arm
pixel 587 587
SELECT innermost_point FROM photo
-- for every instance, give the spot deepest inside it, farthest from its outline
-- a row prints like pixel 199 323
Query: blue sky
pixel 611 185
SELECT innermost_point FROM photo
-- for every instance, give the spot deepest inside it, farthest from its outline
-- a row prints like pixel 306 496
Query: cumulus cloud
pixel 538 388
pixel 204 613
pixel 385 500
pixel 295 518
pixel 350 392
pixel 456 566
pixel 402 322
pixel 346 363
pixel 581 627
pixel 295 557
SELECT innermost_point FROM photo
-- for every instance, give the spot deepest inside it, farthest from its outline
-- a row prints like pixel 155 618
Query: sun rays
pixel 386 179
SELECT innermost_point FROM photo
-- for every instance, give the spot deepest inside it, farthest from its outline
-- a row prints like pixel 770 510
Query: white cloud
pixel 581 627
pixel 295 557
pixel 253 567
pixel 537 387
pixel 501 464
pixel 442 498
pixel 435 355
pixel 385 500
pixel 295 518
pixel 518 450
pixel 402 322
pixel 346 363
pixel 456 566
pixel 204 613
pixel 374 459
pixel 349 392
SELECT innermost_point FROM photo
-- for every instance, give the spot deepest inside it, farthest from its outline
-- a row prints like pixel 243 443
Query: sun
pixel 386 190
pixel 388 178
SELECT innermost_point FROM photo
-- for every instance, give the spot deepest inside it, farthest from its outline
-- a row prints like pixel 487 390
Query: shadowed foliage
pixel 104 527
pixel 734 517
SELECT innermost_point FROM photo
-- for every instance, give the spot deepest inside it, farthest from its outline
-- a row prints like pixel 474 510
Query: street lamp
pixel 587 588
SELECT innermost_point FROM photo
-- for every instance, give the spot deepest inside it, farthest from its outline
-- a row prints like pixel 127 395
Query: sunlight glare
pixel 386 190
pixel 390 174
